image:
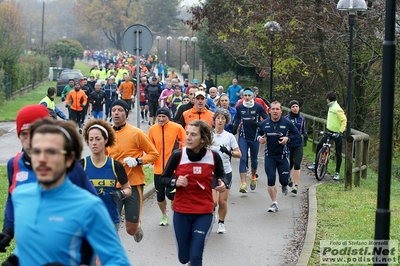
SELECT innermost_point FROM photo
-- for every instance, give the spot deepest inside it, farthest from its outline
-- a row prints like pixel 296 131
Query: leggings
pixel 296 155
pixel 270 166
pixel 244 145
pixel 191 233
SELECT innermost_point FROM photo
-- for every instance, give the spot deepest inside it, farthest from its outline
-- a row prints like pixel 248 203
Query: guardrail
pixel 356 149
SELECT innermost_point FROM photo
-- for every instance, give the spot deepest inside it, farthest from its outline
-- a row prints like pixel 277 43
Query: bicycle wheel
pixel 321 164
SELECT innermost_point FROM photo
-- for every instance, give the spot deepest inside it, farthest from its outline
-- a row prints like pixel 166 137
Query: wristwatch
pixel 139 161
pixel 173 182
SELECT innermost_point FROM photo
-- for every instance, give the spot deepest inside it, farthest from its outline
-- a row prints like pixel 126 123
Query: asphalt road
pixel 254 236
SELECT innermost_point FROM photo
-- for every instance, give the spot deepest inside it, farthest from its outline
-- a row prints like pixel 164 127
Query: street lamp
pixel 186 39
pixel 180 38
pixel 194 40
pixel 158 38
pixel 169 38
pixel 270 28
pixel 351 6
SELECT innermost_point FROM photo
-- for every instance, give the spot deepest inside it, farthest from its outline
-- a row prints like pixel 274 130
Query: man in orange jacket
pixel 127 91
pixel 166 136
pixel 133 149
pixel 76 100
pixel 198 112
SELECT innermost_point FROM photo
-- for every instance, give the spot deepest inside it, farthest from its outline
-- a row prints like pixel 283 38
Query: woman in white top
pixel 226 145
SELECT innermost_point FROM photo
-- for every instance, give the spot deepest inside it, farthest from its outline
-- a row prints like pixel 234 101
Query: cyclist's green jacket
pixel 336 120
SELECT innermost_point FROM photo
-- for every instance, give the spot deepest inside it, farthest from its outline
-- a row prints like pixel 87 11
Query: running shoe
pixel 139 236
pixel 290 184
pixel 164 220
pixel 221 228
pixel 147 120
pixel 295 189
pixel 253 183
pixel 142 121
pixel 273 207
pixel 311 167
pixel 336 176
pixel 243 188
pixel 285 190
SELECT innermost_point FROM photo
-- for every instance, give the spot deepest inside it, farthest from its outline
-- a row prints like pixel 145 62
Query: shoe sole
pixel 294 191
pixel 139 236
pixel 221 232
pixel 272 210
pixel 242 190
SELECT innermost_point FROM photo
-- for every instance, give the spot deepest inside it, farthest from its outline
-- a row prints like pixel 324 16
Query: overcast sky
pixel 189 2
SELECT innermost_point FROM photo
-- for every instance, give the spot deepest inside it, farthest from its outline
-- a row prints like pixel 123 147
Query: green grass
pixel 350 215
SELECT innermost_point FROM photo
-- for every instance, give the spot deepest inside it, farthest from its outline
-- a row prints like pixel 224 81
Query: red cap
pixel 29 114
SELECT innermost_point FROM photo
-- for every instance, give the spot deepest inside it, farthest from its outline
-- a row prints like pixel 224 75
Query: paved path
pixel 254 236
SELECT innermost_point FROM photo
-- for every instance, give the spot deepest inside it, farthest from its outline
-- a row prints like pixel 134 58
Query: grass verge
pixel 350 215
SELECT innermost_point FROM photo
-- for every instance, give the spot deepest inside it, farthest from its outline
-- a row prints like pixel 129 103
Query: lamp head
pixel 351 6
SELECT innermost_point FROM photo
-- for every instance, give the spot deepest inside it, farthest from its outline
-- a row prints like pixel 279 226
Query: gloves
pixel 119 96
pixel 5 239
pixel 305 137
pixel 234 131
pixel 223 149
pixel 63 99
pixel 117 195
pixel 131 162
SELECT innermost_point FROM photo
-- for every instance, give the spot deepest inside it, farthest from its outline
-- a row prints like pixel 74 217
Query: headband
pixel 65 132
pixel 99 127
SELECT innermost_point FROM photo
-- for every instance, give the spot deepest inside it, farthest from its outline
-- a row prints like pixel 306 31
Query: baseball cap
pixel 29 114
pixel 195 81
pixel 204 85
pixel 198 93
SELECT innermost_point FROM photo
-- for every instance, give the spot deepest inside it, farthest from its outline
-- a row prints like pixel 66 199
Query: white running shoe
pixel 273 207
pixel 221 228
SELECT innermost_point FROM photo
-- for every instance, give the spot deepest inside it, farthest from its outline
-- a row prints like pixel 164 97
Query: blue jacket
pixel 273 131
pixel 249 119
pixel 52 226
pixel 300 123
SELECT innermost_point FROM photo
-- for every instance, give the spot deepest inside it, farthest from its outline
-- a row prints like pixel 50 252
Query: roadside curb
pixel 149 190
pixel 311 227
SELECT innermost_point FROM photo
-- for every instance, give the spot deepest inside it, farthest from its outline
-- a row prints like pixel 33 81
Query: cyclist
pixel 335 123
pixel 296 147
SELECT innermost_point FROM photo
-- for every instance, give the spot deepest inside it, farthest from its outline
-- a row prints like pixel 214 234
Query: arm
pixel 126 189
pixel 44 104
pixel 60 113
pixel 343 119
pixel 168 174
pixel 219 172
pixel 148 147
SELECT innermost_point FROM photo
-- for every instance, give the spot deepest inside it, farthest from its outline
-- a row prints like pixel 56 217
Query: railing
pixel 356 149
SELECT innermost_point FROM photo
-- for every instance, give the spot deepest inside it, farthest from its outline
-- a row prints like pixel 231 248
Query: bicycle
pixel 322 158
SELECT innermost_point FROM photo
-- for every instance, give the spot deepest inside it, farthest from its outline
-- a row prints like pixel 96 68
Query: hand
pixel 230 127
pixel 119 96
pixel 262 140
pixel 5 239
pixel 131 162
pixel 223 149
pixel 234 131
pixel 283 140
pixel 66 106
pixel 63 99
pixel 305 137
pixel 132 97
pixel 221 186
pixel 117 195
pixel 181 181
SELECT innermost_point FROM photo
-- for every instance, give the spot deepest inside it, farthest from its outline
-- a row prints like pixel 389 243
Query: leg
pixel 223 200
pixel 183 235
pixel 338 146
pixel 270 170
pixel 242 165
pixel 201 229
pixel 133 210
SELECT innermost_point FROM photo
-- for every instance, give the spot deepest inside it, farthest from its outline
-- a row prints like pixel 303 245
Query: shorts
pixel 228 177
pixel 133 204
pixel 153 106
pixel 143 103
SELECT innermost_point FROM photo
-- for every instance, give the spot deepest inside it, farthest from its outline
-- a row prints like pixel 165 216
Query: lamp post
pixel 194 40
pixel 351 6
pixel 186 39
pixel 180 38
pixel 270 28
pixel 158 38
pixel 169 38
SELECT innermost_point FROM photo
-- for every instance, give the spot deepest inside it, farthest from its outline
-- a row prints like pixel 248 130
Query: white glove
pixel 119 96
pixel 132 96
pixel 131 162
